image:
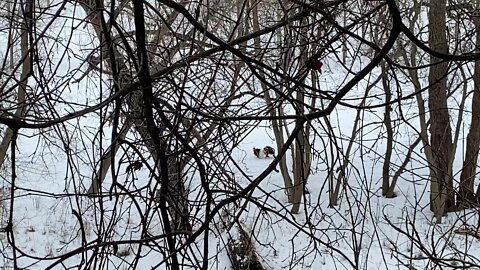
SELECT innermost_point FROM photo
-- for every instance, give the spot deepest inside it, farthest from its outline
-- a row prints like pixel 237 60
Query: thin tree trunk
pixel 387 121
pixel 22 87
pixel 391 190
pixel 135 101
pixel 441 193
pixel 341 179
pixel 298 169
pixel 411 60
pixel 277 128
pixel 106 161
pixel 299 174
pixel 308 146
pixel 466 196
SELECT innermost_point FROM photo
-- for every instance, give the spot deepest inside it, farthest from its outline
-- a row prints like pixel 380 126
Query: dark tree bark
pixel 441 196
pixel 466 194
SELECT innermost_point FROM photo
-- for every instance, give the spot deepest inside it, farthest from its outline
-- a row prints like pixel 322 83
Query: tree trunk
pixel 301 141
pixel 135 115
pixel 411 60
pixel 299 174
pixel 276 126
pixel 466 194
pixel 387 121
pixel 106 161
pixel 441 196
pixel 342 170
pixel 22 87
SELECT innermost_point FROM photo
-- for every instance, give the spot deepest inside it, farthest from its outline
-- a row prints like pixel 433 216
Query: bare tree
pixel 26 35
pixel 442 198
pixel 466 196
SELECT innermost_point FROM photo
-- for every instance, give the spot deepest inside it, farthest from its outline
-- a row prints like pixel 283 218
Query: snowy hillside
pixel 366 229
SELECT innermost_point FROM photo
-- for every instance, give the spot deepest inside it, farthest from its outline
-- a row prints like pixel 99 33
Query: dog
pixel 266 152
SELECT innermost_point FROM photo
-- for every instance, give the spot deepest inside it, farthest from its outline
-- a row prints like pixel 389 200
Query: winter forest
pixel 239 134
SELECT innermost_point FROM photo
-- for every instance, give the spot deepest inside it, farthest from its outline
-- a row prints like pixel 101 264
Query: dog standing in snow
pixel 264 153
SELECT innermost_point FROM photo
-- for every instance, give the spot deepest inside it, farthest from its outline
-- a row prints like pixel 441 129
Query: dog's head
pixel 269 150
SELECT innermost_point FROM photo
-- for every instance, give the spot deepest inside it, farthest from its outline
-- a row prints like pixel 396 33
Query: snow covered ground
pixel 365 230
